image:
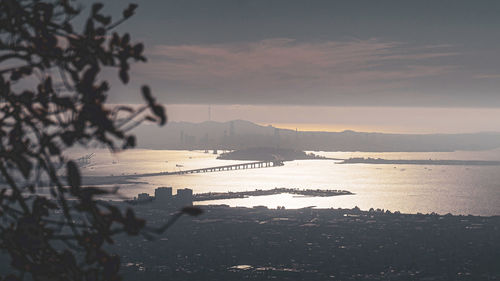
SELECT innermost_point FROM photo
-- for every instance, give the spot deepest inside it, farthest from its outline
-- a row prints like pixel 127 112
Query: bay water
pixel 406 188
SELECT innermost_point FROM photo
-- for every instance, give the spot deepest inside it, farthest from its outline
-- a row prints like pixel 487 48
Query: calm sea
pixel 406 188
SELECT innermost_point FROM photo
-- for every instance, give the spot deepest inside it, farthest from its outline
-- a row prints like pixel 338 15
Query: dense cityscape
pixel 313 244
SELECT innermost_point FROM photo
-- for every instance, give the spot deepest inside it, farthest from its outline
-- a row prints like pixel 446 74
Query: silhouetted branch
pixel 39 123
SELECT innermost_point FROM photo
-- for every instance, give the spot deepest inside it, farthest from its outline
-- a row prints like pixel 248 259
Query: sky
pixel 394 66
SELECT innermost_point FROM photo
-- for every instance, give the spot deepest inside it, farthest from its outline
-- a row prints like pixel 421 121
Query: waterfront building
pixel 144 197
pixel 163 194
pixel 163 197
pixel 184 197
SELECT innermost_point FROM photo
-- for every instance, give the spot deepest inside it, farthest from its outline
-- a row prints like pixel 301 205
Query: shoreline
pixel 355 210
pixel 420 162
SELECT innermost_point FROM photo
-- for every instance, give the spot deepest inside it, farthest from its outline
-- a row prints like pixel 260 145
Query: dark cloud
pixel 360 53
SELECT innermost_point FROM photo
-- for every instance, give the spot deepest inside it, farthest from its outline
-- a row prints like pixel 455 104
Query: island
pixel 268 154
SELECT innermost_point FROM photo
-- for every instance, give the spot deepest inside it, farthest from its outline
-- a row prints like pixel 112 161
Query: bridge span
pixel 98 180
pixel 242 166
pixel 251 165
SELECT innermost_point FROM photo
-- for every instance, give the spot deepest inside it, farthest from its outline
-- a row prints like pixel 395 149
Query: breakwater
pixel 258 192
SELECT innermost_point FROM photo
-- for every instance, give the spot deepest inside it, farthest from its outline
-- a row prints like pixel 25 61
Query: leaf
pixel 68 138
pixel 89 28
pixel 150 119
pixel 89 76
pixel 102 19
pixel 100 31
pixel 15 75
pixel 124 108
pixel 133 225
pixel 47 11
pixel 146 93
pixel 67 27
pixel 129 11
pixel 53 148
pixel 73 177
pixel 47 85
pixel 26 96
pixel 41 206
pixel 159 111
pixel 124 76
pixel 26 70
pixel 115 213
pixel 96 8
pixel 115 39
pixel 64 102
pixel 125 40
pixel 23 164
pixel 192 211
pixel 130 142
pixel 138 48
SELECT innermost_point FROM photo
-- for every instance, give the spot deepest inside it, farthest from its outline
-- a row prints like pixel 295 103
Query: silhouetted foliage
pixel 51 99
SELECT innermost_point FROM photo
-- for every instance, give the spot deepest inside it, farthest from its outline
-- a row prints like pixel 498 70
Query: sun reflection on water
pixel 406 188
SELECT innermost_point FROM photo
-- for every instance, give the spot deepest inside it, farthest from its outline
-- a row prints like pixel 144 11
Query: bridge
pixel 251 165
pixel 98 180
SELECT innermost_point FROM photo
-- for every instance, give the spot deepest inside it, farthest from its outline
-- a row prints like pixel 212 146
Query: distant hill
pixel 240 134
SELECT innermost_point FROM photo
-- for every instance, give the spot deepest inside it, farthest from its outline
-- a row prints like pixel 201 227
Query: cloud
pixel 284 70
